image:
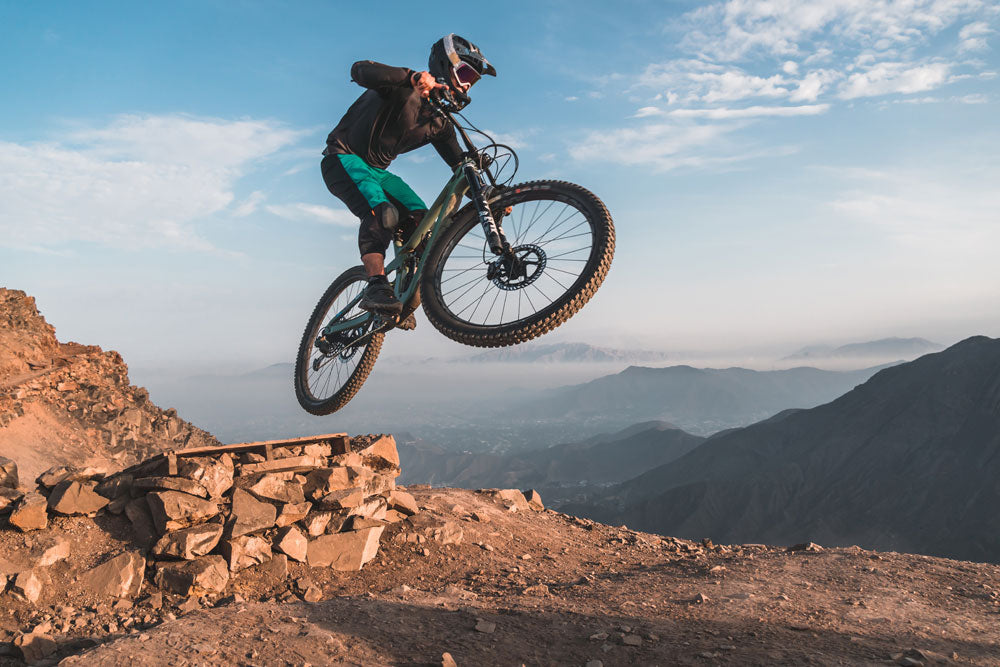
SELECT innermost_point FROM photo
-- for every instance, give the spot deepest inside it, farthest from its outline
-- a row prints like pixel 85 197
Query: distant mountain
pixel 597 461
pixel 885 349
pixel 908 461
pixel 698 400
pixel 561 353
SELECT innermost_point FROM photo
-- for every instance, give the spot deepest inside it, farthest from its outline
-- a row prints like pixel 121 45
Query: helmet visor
pixel 466 73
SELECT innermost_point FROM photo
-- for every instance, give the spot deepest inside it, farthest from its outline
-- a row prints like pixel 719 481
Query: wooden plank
pixel 250 446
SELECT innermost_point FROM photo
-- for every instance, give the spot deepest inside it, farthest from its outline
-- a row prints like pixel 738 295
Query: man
pixel 394 116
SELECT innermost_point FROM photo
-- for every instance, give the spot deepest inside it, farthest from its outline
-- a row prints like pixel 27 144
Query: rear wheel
pixel 330 370
pixel 563 240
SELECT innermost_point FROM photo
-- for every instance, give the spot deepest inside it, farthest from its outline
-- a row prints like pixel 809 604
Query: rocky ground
pixel 524 586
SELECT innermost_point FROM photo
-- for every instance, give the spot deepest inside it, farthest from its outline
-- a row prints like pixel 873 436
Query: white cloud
pixel 141 181
pixel 314 213
pixel 893 77
pixel 751 112
pixel 249 206
pixel 813 84
pixel 665 145
pixel 669 145
pixel 731 30
pixel 973 37
pixel 648 111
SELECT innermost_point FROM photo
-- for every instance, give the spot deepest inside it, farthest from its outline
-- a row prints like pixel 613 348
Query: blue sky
pixel 780 172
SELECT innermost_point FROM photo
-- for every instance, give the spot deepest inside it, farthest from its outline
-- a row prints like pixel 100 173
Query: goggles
pixel 465 73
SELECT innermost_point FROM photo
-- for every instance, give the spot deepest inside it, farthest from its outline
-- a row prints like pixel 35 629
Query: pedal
pixel 408 324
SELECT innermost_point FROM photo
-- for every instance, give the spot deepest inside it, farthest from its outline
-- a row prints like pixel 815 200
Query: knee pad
pixel 377 228
pixel 387 216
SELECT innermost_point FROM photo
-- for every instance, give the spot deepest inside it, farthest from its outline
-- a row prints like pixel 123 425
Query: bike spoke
pixel 547 272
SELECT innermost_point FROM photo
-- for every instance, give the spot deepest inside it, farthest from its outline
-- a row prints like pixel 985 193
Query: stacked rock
pixel 207 513
pixel 200 515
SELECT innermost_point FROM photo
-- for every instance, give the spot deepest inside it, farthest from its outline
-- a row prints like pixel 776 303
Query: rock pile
pixel 200 515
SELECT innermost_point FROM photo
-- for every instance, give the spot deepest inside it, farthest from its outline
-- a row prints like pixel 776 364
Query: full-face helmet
pixel 454 55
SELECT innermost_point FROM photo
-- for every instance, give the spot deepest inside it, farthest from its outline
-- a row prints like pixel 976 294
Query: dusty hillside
pixel 533 587
pixel 72 403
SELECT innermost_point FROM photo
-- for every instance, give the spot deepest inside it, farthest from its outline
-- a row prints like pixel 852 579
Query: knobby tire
pixel 546 318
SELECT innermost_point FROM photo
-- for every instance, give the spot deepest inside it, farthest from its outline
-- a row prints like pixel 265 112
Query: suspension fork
pixel 493 231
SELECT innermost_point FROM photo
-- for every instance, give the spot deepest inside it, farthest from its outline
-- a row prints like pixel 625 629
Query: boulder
pixel 293 542
pixel 215 475
pixel 371 482
pixel 143 528
pixel 246 551
pixel 394 516
pixel 172 510
pixel 207 574
pixel 316 523
pixel 273 487
pixel 74 498
pixel 182 484
pixel 534 500
pixel 9 498
pixel 373 508
pixel 379 451
pixel 326 480
pixel 8 473
pixel 360 522
pixel 292 512
pixel 30 513
pixel 509 497
pixel 120 577
pixel 319 450
pixel 49 550
pixel 27 586
pixel 343 499
pixel 249 515
pixel 35 647
pixel 294 463
pixel 345 551
pixel 56 474
pixel 117 486
pixel 401 501
pixel 276 568
pixel 347 459
pixel 189 543
pixel 443 531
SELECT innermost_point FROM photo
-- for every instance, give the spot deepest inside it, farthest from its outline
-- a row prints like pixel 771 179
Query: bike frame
pixel 434 221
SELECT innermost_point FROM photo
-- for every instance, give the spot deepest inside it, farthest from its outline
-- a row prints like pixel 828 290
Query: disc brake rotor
pixel 523 266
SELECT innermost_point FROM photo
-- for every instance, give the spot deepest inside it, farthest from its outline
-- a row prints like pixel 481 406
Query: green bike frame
pixel 407 267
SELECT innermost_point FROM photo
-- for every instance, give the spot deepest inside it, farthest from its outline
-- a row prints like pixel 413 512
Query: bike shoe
pixel 379 298
pixel 408 324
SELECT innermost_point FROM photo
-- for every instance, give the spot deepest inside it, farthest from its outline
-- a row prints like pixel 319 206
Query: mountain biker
pixel 394 116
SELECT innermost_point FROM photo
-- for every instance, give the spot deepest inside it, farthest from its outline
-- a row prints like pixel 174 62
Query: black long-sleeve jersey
pixel 390 118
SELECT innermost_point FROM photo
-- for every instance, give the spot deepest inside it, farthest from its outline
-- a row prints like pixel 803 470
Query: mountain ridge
pixel 906 461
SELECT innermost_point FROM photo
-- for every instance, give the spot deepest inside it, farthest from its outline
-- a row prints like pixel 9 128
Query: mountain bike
pixel 508 266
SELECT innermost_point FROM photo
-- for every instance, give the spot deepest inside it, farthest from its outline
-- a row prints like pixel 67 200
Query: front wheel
pixel 562 239
pixel 329 370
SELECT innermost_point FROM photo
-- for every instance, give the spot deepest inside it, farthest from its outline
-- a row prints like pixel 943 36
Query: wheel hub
pixel 517 269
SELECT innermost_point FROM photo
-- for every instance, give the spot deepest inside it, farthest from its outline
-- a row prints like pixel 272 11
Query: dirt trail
pixel 545 588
